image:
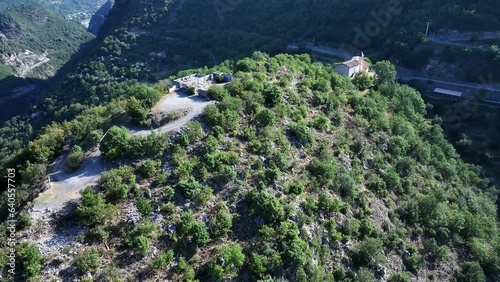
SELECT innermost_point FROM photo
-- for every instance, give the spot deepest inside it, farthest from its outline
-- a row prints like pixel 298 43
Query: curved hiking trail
pixel 64 187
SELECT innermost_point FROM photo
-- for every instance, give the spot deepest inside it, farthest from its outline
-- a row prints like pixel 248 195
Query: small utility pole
pixel 427 30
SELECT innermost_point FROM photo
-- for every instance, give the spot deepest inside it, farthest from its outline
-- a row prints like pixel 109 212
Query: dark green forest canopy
pixel 361 167
pixel 329 150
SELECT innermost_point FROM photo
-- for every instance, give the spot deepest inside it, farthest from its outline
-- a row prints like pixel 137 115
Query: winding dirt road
pixel 65 186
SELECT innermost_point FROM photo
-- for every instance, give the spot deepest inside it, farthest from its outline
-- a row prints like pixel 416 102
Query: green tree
pixel 323 170
pixel 265 117
pixel 191 90
pixel 217 92
pixel 136 111
pixel 273 95
pixel 162 261
pixel 302 133
pixel 222 222
pixel 75 157
pixel 265 205
pixel 195 191
pixel 30 259
pixel 141 243
pixel 233 258
pixel 94 210
pixel 347 186
pixel 471 271
pixel 369 252
pixel 144 206
pixel 194 131
pixel 386 72
pixel 400 277
pixel 365 275
pixel 149 168
pixel 322 123
pixel 87 261
pixel 186 270
pixel 296 187
pixel 200 234
pixel 117 183
pixel 362 81
pixel 146 95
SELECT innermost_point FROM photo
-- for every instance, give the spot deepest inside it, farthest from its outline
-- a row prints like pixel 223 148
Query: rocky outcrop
pixel 99 17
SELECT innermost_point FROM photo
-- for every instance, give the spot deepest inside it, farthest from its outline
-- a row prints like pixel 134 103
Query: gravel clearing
pixel 64 187
pixel 174 102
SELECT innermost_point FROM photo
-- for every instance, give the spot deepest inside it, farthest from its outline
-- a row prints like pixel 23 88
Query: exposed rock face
pixel 98 18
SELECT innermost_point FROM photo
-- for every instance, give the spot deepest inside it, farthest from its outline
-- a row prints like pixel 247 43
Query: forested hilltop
pixel 297 174
pixel 137 31
pixel 294 174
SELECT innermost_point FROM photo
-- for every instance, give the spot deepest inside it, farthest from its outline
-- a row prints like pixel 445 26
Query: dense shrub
pixel 149 168
pixel 94 210
pixel 162 260
pixel 323 170
pixel 296 187
pixel 233 258
pixel 301 133
pixel 116 142
pixel 87 261
pixel 265 117
pixel 222 222
pixel 144 206
pixel 30 259
pixel 75 157
pixel 369 252
pixel 265 205
pixel 195 191
pixel 117 182
pixel 471 271
pixel 199 233
pixel 216 92
pixel 136 111
pixel 273 95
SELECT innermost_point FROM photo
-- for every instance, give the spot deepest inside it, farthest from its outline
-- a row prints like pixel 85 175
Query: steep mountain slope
pixel 298 174
pixel 35 29
pixel 80 11
pixel 34 44
pixel 98 18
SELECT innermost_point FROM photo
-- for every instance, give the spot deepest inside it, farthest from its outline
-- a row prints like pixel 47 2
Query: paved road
pixel 402 73
pixel 459 44
pixel 466 36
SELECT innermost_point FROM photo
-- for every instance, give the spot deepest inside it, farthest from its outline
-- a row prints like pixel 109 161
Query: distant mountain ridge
pixel 33 28
pixel 98 18
pixel 35 43
pixel 77 10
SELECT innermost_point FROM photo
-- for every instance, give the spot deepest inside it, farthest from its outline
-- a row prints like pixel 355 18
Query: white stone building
pixel 352 67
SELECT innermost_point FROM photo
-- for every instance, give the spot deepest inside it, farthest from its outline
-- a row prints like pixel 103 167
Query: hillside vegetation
pixel 32 27
pixel 297 174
